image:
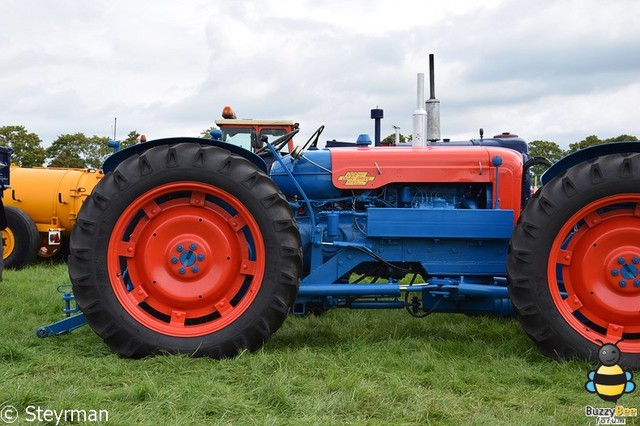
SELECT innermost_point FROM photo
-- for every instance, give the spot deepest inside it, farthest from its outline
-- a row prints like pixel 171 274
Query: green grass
pixel 344 367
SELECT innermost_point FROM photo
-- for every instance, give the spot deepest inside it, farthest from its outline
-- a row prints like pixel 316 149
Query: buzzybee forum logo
pixel 610 381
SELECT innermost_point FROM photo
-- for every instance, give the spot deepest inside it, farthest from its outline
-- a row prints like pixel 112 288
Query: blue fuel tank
pixel 312 171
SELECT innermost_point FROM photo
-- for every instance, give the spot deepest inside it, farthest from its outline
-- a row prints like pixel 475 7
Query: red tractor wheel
pixel 574 261
pixel 185 249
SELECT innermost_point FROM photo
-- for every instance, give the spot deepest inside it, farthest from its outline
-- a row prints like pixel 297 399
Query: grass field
pixel 345 367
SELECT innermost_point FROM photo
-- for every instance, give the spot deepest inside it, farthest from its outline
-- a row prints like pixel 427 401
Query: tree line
pixel 77 150
pixel 73 150
pixel 552 151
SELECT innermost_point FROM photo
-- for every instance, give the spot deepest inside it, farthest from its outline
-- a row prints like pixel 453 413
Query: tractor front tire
pixel 21 239
pixel 574 261
pixel 185 249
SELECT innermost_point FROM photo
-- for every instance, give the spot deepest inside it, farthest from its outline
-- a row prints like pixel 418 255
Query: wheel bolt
pixel 195 269
pixel 174 260
pixel 614 272
pixel 636 260
pixel 623 284
pixel 621 260
pixel 201 257
pixel 192 246
pixel 182 270
pixel 179 248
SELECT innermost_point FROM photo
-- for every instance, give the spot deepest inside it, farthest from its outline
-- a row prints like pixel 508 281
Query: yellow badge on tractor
pixel 356 178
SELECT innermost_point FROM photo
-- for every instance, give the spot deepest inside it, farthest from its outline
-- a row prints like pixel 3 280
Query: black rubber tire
pixel 26 239
pixel 164 165
pixel 540 224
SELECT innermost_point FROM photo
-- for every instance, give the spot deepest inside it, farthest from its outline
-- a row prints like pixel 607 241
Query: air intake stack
pixel 377 115
pixel 419 116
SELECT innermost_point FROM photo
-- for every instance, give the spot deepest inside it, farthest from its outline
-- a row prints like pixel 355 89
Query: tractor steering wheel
pixel 279 143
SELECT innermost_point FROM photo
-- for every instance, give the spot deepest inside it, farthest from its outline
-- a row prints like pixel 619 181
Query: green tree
pixel 391 139
pixel 622 138
pixel 585 143
pixel 27 151
pixel 96 151
pixel 206 133
pixel 547 149
pixel 132 139
pixel 66 151
pixel 78 151
pixel 594 140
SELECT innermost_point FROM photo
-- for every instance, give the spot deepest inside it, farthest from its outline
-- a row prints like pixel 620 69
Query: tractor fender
pixel 588 154
pixel 112 162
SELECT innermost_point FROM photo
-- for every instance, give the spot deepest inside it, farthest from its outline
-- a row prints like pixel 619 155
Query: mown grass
pixel 344 367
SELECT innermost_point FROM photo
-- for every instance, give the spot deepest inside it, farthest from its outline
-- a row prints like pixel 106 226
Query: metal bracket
pixel 63 326
pixel 67 324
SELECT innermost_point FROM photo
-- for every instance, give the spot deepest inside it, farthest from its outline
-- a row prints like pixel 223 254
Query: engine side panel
pixel 439 223
pixel 370 168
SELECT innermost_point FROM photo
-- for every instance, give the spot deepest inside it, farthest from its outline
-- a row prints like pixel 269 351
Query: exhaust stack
pixel 432 106
pixel 420 116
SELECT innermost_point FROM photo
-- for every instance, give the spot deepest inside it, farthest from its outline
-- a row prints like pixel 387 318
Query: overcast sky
pixel 552 70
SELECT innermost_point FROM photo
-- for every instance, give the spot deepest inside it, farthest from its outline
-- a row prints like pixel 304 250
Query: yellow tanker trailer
pixel 41 207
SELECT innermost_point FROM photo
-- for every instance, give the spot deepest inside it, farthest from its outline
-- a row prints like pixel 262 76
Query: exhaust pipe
pixel 432 106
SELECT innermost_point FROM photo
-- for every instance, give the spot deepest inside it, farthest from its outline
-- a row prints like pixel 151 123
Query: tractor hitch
pixel 73 317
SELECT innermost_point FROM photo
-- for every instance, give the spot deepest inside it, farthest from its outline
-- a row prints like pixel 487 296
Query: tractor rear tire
pixel 21 239
pixel 574 260
pixel 185 249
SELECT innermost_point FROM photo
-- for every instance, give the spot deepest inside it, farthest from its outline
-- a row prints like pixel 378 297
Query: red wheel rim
pixel 594 271
pixel 186 259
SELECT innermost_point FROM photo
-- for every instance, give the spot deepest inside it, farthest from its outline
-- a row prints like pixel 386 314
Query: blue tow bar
pixel 73 317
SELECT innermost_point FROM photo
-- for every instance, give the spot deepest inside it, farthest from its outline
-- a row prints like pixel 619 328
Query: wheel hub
pixel 187 258
pixel 623 271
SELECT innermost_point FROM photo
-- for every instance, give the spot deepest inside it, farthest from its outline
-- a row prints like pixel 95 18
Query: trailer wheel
pixel 185 249
pixel 574 261
pixel 21 239
pixel 53 253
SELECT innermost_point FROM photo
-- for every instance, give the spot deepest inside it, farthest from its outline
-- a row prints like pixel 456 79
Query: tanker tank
pixel 42 206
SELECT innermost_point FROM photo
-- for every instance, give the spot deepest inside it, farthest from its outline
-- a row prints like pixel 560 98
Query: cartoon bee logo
pixel 609 381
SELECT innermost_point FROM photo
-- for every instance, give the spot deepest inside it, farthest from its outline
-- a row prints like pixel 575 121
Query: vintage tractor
pixel 195 246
